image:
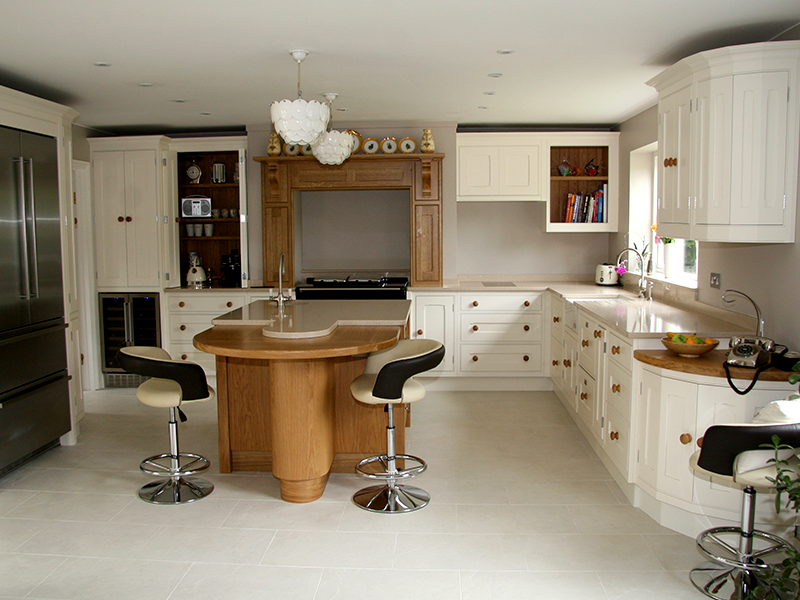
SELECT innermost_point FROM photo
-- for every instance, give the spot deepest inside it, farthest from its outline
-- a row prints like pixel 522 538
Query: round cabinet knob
pixel 419 331
pixel 181 304
pixel 128 219
pixel 121 219
pixel 183 328
pixel 666 163
pixel 585 343
pixel 527 328
pixel 615 349
pixel 584 396
pixel 615 388
pixel 184 357
pixel 474 358
pixel 597 333
pixel 474 303
pixel 699 442
pixel 567 362
pixel 526 358
pixel 614 435
pixel 685 438
pixel 527 303
pixel 229 304
pixel 474 328
pixel 555 363
pixel 556 319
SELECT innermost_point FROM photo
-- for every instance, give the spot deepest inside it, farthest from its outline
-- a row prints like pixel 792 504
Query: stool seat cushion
pixel 165 393
pixel 362 388
pixel 780 411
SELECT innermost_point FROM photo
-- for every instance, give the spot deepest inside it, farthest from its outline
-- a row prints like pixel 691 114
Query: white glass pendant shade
pixel 333 148
pixel 300 121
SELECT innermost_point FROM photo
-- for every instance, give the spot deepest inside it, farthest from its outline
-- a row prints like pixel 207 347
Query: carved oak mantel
pixel 421 174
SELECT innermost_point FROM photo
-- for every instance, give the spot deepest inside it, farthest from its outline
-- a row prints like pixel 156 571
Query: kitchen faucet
pixel 644 291
pixel 280 298
pixel 760 326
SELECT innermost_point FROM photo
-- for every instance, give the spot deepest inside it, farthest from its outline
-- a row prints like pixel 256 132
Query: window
pixel 675 261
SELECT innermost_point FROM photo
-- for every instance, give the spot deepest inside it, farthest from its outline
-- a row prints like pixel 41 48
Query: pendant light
pixel 298 121
pixel 333 147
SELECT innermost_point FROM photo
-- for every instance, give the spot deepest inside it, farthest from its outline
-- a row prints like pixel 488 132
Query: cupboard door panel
pixel 277 241
pixel 713 142
pixel 142 206
pixel 427 261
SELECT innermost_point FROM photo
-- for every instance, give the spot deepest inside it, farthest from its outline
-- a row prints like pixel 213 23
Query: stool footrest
pixel 712 541
pixel 387 475
pixel 160 465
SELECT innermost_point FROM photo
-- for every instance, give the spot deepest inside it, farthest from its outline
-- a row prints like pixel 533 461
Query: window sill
pixel 685 282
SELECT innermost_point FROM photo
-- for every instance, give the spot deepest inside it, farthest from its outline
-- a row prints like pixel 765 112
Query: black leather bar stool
pixel 387 379
pixel 736 555
pixel 171 384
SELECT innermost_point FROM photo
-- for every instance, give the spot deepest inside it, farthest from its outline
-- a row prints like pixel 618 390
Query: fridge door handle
pixel 128 323
pixel 25 282
pixel 33 254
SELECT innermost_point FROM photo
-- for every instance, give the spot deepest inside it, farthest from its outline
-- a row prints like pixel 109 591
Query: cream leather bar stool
pixel 171 384
pixel 387 379
pixel 736 555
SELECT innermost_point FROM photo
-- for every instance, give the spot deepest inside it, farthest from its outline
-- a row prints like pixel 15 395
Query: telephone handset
pixel 750 352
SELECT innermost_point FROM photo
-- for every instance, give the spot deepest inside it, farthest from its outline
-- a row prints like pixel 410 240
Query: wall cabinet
pixel 500 167
pixel 728 144
pixel 127 203
pixel 434 318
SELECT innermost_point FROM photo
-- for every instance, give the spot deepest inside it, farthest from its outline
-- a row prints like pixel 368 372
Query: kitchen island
pixel 283 387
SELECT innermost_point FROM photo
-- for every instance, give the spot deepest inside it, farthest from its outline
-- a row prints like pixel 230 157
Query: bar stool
pixel 736 453
pixel 171 384
pixel 387 379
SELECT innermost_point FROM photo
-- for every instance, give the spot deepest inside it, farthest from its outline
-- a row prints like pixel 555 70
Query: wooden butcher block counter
pixel 710 365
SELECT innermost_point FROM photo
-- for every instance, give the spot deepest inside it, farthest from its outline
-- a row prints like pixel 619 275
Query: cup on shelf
pixel 224 213
pixel 190 229
pixel 215 213
pixel 198 229
pixel 208 228
pixel 234 212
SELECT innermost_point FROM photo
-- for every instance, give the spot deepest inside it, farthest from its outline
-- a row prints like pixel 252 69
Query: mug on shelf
pixel 198 229
pixel 234 212
pixel 209 229
pixel 224 213
pixel 215 213
pixel 190 229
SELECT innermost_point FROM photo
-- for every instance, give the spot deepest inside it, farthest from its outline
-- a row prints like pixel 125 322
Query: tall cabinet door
pixel 675 189
pixel 108 183
pixel 142 233
pixel 678 420
pixel 434 319
pixel 713 145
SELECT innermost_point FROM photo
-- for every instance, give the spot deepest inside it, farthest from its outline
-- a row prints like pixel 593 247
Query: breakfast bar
pixel 283 387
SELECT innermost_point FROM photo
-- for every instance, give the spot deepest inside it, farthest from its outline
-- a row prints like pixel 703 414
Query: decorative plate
pixel 389 145
pixel 291 149
pixel 408 145
pixel 371 145
pixel 359 141
pixel 305 150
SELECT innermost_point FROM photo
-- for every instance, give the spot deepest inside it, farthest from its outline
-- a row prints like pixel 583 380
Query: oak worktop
pixel 709 364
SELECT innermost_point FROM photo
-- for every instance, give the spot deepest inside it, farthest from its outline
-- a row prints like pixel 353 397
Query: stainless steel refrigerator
pixel 34 392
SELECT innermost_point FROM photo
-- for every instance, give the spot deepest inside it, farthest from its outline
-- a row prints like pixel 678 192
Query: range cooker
pixel 348 287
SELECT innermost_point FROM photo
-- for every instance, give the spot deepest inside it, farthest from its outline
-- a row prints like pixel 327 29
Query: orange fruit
pixel 708 341
pixel 691 341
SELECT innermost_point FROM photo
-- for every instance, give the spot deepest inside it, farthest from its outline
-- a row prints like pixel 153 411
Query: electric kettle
pixel 196 276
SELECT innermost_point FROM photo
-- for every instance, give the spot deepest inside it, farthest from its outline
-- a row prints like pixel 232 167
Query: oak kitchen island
pixel 283 387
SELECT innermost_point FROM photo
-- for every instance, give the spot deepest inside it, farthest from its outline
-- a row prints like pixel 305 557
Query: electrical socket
pixel 715 280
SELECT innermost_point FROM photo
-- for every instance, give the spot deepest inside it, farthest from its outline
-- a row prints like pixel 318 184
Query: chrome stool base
pixel 725 583
pixel 176 490
pixel 712 541
pixel 391 499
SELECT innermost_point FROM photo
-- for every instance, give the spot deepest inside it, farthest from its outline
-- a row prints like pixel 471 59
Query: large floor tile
pixel 207 545
pixel 614 520
pixel 460 552
pixel 434 518
pixel 99 540
pixel 515 519
pixel 237 582
pixel 21 573
pixel 588 552
pixel 632 585
pixel 331 549
pixel 486 585
pixel 349 584
pixel 277 514
pixel 69 506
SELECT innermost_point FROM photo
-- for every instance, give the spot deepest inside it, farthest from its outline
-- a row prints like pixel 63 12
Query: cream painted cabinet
pixel 728 144
pixel 434 319
pixel 127 212
pixel 504 167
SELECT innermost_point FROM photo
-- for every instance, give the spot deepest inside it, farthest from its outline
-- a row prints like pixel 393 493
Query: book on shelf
pixel 586 208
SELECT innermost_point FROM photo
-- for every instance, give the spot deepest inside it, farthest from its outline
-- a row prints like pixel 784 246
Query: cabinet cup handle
pixel 183 327
pixel 527 328
pixel 474 358
pixel 526 358
pixel 184 357
pixel 181 304
pixel 121 219
pixel 615 349
pixel 685 438
pixel 614 435
pixel 474 328
pixel 555 363
pixel 419 331
pixel 229 304
pixel 584 396
pixel 527 303
pixel 615 388
pixel 474 303
pixel 556 319
pixel 585 343
pixel 597 333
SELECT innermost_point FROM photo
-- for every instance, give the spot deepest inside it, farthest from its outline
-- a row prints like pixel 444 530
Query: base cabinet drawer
pixel 498 359
pixel 618 390
pixel 189 353
pixel 620 352
pixel 192 303
pixel 617 442
pixel 483 327
pixel 501 302
pixel 183 328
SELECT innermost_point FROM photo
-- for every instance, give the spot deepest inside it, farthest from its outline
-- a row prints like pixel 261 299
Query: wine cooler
pixel 126 320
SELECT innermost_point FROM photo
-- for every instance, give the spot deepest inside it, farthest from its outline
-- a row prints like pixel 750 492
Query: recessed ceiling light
pixel 342 109
pixel 495 75
pixel 505 51
pixel 179 100
pixel 102 64
pixel 205 114
pixel 145 84
pixel 483 107
pixel 488 93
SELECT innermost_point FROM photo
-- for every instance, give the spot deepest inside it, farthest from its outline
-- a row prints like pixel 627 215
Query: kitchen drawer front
pixel 493 359
pixel 189 353
pixel 617 443
pixel 218 304
pixel 556 316
pixel 484 302
pixel 587 397
pixel 620 352
pixel 592 337
pixel 503 327
pixel 556 361
pixel 183 328
pixel 619 392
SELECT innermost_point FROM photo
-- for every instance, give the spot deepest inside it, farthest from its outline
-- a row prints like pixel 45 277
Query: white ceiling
pixel 574 62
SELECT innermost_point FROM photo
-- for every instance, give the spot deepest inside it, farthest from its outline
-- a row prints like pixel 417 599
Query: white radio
pixel 196 206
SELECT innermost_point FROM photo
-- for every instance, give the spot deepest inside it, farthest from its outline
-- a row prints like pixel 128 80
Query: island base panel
pixel 306 490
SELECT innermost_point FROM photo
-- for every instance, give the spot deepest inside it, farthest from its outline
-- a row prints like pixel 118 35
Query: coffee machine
pixel 231 269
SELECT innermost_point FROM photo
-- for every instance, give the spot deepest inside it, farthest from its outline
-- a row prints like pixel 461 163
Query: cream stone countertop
pixel 301 319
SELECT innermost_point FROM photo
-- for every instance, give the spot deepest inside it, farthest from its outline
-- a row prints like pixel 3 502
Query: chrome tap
pixel 642 279
pixel 280 298
pixel 760 326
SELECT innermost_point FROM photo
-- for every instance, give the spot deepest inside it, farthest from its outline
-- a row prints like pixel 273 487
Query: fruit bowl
pixel 689 350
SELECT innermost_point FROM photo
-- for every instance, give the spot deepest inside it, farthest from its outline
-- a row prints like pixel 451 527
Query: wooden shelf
pixel 580 178
pixel 209 238
pixel 207 185
pixel 207 219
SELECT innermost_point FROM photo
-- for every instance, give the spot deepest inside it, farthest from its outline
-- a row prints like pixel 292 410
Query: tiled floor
pixel 521 508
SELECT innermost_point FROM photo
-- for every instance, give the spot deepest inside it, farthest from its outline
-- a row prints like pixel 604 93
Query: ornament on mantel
pixel 427 146
pixel 274 148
